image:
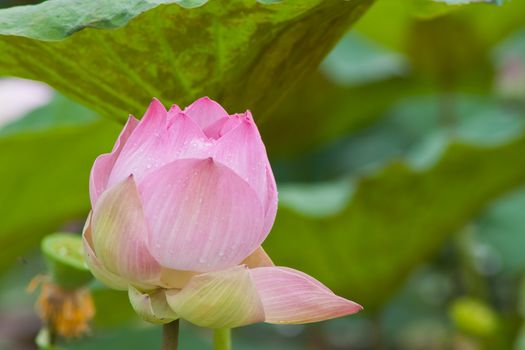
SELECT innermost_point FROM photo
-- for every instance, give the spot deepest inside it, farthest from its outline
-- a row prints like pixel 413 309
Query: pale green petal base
pixel 151 307
pixel 223 299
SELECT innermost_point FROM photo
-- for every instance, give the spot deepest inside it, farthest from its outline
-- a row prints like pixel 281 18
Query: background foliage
pixel 397 144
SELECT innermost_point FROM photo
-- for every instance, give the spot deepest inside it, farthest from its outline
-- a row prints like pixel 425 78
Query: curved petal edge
pixel 95 266
pixel 151 307
pixel 104 163
pixel 119 233
pixel 291 296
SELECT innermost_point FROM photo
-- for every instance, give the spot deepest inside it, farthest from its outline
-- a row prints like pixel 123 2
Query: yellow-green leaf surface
pixel 449 43
pixel 115 55
pixel 489 22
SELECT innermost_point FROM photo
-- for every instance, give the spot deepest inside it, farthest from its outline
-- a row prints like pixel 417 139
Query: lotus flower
pixel 180 208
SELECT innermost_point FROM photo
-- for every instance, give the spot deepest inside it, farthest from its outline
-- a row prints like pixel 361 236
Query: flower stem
pixel 170 336
pixel 222 339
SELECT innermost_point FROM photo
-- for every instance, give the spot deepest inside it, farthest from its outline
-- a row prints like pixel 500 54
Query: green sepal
pixel 65 260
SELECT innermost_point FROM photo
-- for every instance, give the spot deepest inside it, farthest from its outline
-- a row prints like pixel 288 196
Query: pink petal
pixel 174 110
pixel 290 296
pixel 271 200
pixel 143 151
pixel 104 163
pixel 205 112
pixel 243 151
pixel 186 139
pixel 220 299
pixel 120 233
pixel 159 142
pixel 202 216
pixel 223 126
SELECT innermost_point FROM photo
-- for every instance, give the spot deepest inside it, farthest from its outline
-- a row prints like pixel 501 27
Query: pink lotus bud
pixel 180 208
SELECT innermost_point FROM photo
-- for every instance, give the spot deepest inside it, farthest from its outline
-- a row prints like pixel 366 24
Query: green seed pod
pixel 65 260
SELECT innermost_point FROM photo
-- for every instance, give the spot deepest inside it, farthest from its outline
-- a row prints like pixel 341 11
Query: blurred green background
pixel 396 131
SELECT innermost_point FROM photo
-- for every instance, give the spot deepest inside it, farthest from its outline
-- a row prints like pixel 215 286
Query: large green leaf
pixel 243 53
pixel 44 174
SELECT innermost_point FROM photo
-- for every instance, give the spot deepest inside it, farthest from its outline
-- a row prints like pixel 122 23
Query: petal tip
pixel 291 296
pixel 354 307
pixel 174 108
pixel 207 99
pixel 155 104
pixel 248 115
